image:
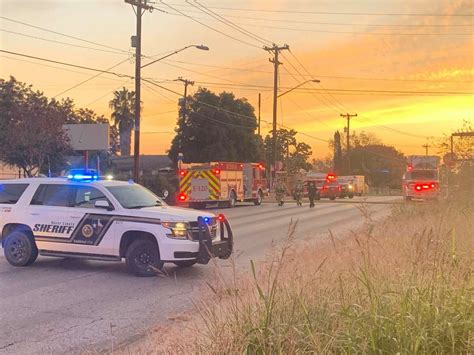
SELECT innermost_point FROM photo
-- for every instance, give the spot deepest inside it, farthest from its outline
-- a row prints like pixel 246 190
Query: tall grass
pixel 404 286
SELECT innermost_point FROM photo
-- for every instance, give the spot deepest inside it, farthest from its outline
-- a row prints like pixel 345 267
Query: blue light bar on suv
pixel 83 176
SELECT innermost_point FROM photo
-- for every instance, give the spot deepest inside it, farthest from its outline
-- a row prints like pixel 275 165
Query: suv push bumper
pixel 208 249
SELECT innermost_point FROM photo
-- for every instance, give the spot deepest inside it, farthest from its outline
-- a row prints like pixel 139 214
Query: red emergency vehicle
pixel 221 182
pixel 421 180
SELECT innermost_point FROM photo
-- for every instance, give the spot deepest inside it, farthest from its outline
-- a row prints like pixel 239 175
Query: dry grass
pixel 404 286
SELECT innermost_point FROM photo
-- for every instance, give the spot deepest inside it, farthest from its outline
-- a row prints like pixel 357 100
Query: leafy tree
pixel 292 153
pixel 382 165
pixel 31 128
pixel 463 147
pixel 123 106
pixel 208 134
pixel 337 160
pixel 31 134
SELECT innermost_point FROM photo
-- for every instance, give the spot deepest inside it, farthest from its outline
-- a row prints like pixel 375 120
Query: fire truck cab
pixel 221 182
pixel 421 180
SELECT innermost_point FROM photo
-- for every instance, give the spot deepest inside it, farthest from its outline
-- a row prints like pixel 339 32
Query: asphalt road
pixel 71 305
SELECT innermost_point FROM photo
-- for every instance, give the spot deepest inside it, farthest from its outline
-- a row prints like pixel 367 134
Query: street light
pixel 136 153
pixel 199 46
pixel 297 86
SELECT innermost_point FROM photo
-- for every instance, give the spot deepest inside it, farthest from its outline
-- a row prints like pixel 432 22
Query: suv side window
pixel 86 196
pixel 11 193
pixel 53 195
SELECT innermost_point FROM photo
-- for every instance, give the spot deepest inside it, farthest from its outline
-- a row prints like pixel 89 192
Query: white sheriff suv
pixel 83 216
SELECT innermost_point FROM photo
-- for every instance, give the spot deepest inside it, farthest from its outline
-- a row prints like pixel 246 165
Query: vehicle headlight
pixel 350 187
pixel 179 230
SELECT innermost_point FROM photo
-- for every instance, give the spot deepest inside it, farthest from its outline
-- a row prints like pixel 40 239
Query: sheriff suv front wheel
pixel 143 258
pixel 20 249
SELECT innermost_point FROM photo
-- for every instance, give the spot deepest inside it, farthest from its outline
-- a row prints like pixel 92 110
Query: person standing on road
pixel 280 192
pixel 312 191
pixel 298 193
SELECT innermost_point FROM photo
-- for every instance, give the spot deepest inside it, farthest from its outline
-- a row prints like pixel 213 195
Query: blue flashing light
pixel 207 220
pixel 83 177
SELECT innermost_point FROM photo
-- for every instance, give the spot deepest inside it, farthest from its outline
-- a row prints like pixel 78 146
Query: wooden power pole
pixel 348 116
pixel 140 6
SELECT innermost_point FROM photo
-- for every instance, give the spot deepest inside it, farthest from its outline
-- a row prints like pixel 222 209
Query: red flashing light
pixel 330 177
pixel 241 165
pixel 182 196
pixel 433 185
pixel 216 171
pixel 260 166
pixel 418 187
pixel 182 172
pixel 410 167
pixel 221 217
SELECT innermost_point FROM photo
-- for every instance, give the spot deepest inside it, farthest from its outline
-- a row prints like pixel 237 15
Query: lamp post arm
pixel 297 86
pixel 166 56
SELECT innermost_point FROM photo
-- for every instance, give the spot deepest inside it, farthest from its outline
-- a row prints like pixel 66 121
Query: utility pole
pixel 259 109
pixel 426 146
pixel 348 116
pixel 185 96
pixel 186 83
pixel 275 50
pixel 139 6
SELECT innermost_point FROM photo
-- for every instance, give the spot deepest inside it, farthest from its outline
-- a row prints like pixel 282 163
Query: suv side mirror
pixel 165 193
pixel 103 204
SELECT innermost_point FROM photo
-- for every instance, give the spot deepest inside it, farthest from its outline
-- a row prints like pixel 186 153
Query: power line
pixel 329 31
pixel 91 78
pixel 209 27
pixel 359 32
pixel 60 42
pixel 322 76
pixel 53 67
pixel 223 20
pixel 341 23
pixel 108 93
pixel 334 13
pixel 66 64
pixel 63 34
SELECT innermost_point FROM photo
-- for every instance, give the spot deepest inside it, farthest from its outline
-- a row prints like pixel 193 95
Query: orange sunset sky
pixel 385 45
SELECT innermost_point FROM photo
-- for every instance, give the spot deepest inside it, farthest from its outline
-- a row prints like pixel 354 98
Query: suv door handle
pixel 76 217
pixel 34 214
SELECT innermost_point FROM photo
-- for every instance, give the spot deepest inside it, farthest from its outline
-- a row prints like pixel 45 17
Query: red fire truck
pixel 222 183
pixel 421 180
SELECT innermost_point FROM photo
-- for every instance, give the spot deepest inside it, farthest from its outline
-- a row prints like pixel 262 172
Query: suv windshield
pixel 135 196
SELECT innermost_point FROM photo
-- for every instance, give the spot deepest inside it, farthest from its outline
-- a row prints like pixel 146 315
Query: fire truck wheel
pixel 232 199
pixel 258 201
pixel 185 263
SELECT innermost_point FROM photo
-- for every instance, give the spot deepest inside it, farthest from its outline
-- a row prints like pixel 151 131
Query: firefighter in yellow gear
pixel 280 192
pixel 298 192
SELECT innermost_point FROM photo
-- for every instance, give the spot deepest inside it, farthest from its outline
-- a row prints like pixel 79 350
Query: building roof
pixel 147 162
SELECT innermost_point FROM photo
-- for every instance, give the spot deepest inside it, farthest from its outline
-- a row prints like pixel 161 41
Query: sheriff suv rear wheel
pixel 20 249
pixel 143 258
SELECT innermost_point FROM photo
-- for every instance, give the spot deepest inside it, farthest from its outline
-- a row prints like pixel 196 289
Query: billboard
pixel 88 136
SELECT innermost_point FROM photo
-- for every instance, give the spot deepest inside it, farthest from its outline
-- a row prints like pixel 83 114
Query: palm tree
pixel 123 106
